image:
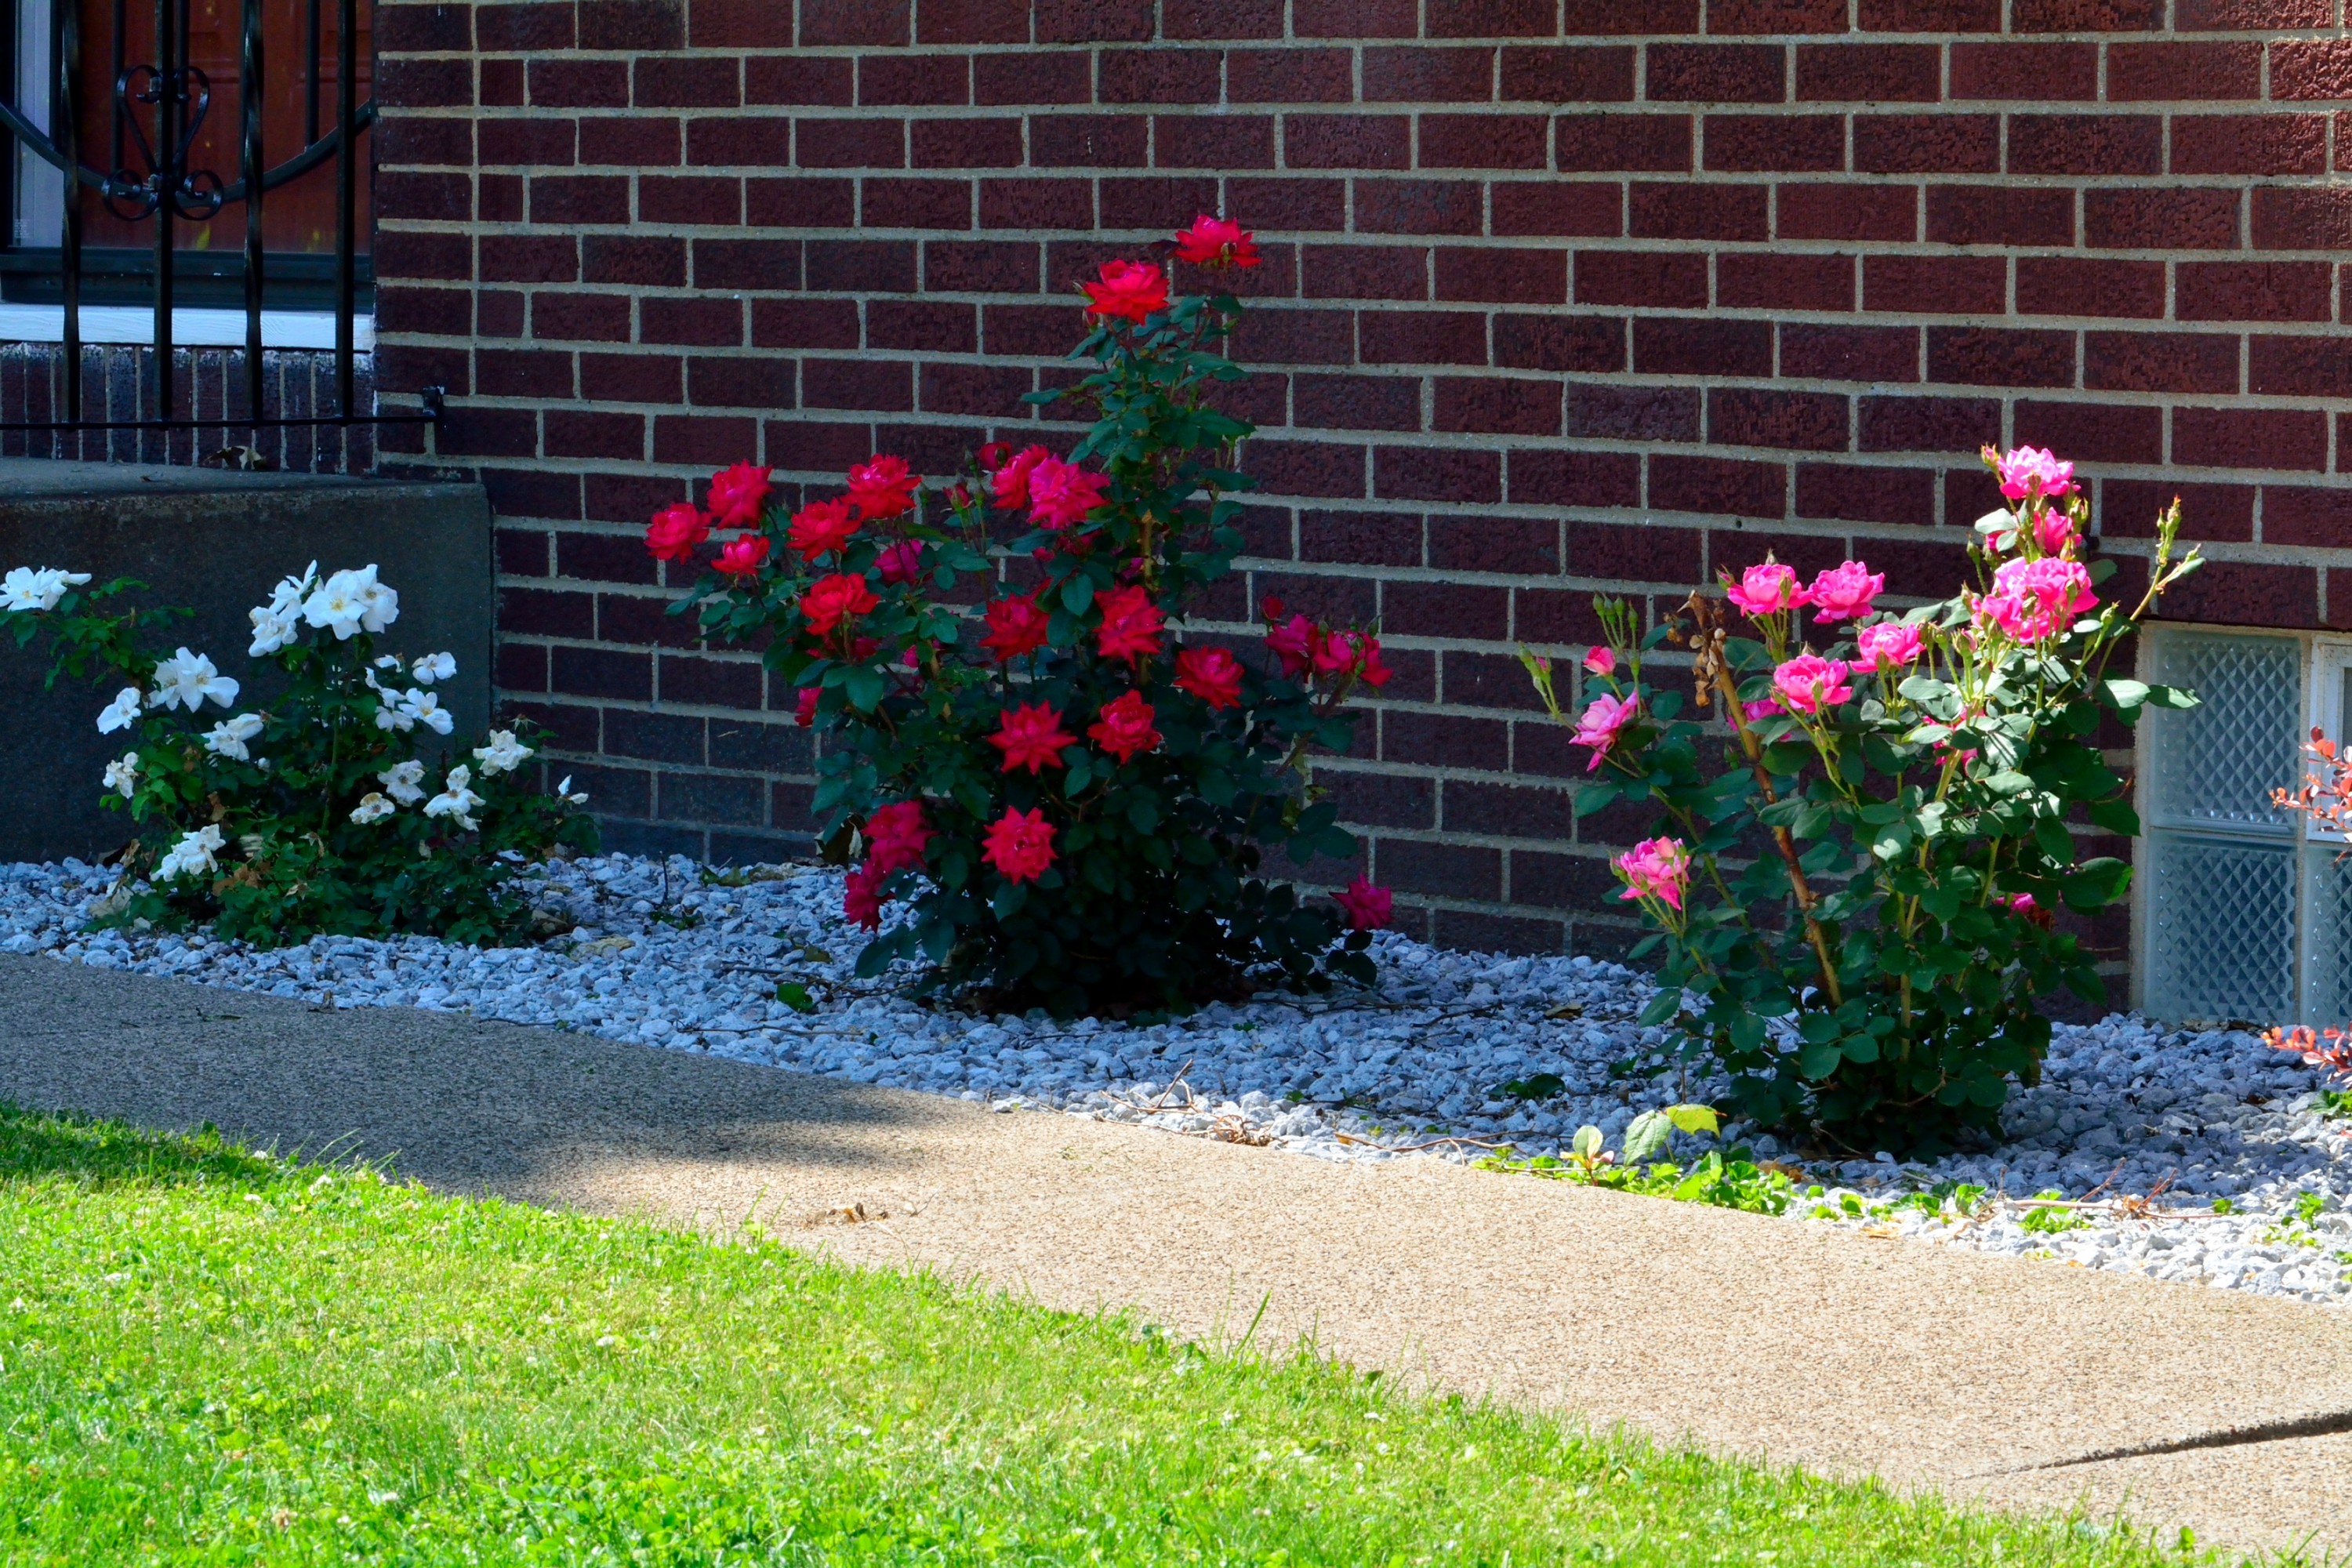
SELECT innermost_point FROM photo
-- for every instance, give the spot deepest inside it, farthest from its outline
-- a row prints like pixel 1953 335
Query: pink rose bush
pixel 1871 818
pixel 1050 786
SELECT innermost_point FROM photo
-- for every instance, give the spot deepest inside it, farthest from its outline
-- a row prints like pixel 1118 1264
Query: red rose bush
pixel 1026 744
pixel 1854 876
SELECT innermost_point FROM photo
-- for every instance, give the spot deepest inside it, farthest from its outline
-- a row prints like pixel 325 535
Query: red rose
pixel 821 527
pixel 1061 494
pixel 1015 627
pixel 1124 728
pixel 882 489
pixel 1129 290
pixel 902 562
pixel 1217 242
pixel 744 556
pixel 1293 642
pixel 1131 624
pixel 861 898
pixel 677 532
pixel 895 837
pixel 1367 908
pixel 804 706
pixel 737 495
pixel 1009 483
pixel 1211 674
pixel 993 455
pixel 833 600
pixel 1019 843
pixel 1032 737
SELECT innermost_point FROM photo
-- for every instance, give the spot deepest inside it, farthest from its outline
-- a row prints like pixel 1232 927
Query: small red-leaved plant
pixel 1071 789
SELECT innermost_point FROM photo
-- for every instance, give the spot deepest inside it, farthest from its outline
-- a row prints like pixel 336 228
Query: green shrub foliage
pixel 1863 850
pixel 339 806
pixel 1072 791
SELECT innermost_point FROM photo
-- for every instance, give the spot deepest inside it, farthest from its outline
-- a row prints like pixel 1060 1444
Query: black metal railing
pixel 160 108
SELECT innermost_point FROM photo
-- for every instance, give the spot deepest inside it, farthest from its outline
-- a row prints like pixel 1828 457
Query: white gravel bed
pixel 668 954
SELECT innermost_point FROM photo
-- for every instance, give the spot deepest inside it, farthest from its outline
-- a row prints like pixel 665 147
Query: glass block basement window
pixel 2247 917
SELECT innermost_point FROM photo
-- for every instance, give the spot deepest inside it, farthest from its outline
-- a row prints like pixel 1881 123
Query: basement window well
pixel 2244 913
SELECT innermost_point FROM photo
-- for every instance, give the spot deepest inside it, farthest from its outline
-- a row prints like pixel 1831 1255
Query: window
pixel 2245 913
pixel 299 107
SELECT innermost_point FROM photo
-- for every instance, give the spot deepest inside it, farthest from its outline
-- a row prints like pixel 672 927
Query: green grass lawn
pixel 214 1357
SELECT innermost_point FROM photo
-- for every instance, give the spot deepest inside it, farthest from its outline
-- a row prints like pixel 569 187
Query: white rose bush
pixel 342 806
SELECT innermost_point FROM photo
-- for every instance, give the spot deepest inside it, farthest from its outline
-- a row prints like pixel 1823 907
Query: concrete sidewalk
pixel 1920 1364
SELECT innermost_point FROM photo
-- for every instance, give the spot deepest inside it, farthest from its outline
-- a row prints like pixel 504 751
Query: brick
pixel 2026 73
pixel 1502 277
pixel 1567 74
pixel 2249 144
pixel 1159 76
pixel 1306 468
pixel 2092 432
pixel 1606 411
pixel 846 266
pixel 2296 366
pixel 1869 73
pixel 1289 75
pixel 983 391
pixel 965 144
pixel 1856 494
pixel 1942 425
pixel 2302 219
pixel 1840 212
pixel 2078 286
pixel 1784 280
pixel 1926 143
pixel 516 372
pixel 524 28
pixel 1999 214
pixel 1659 278
pixel 579 433
pixel 1580 209
pixel 2170 72
pixel 2308 68
pixel 2318 518
pixel 1299 337
pixel 1093 21
pixel 638 377
pixel 1574 478
pixel 1649 552
pixel 532 258
pixel 2251 292
pixel 1440 474
pixel 686 83
pixel 852 22
pixel 2242 593
pixel 1815 353
pixel 1346 141
pixel 1793 421
pixel 711 323
pixel 2086 16
pixel 1994 356
pixel 425 84
pixel 579 84
pixel 1719 485
pixel 916 204
pixel 1716 73
pixel 1163 202
pixel 1442 869
pixel 1291 203
pixel 1223 19
pixel 1497 406
pixel 1033 76
pixel 1222 142
pixel 1937 285
pixel 1754 143
pixel 2248 15
pixel 1560 343
pixel 1418 207
pixel 1422 337
pixel 968 22
pixel 2249 438
pixel 1612 144
pixel 1416 75
pixel 1037 204
pixel 1485 141
pixel 1709 346
pixel 889 79
pixel 2191 218
pixel 2129 509
pixel 984 267
pixel 2160 361
pixel 797 81
pixel 1754 16
pixel 1525 546
pixel 1356 401
pixel 1446 609
pixel 1490 18
pixel 1364 272
pixel 1699 212
pixel 839 144
pixel 746 263
pixel 1355 18
pixel 579 199
pixel 2086 144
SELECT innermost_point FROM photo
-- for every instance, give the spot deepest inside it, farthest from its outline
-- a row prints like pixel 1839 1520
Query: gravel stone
pixel 667 954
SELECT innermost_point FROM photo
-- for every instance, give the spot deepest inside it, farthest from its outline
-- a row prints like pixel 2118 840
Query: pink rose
pixel 1809 683
pixel 1844 592
pixel 1601 661
pixel 1655 868
pixel 2028 471
pixel 1766 590
pixel 1600 725
pixel 1762 708
pixel 2033 601
pixel 1367 908
pixel 1889 644
pixel 2054 532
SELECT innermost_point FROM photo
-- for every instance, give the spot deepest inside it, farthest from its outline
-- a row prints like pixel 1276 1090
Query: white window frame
pixel 2323 663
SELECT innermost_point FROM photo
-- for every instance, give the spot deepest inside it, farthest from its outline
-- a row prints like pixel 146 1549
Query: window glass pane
pixel 2216 765
pixel 2327 937
pixel 2220 917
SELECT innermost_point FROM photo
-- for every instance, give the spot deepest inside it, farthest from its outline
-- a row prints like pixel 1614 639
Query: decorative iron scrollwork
pixel 194 194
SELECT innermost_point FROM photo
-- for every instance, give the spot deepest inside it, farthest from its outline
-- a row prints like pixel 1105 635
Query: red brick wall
pixel 1560 294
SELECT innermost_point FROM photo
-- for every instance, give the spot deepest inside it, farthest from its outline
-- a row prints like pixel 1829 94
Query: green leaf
pixel 1817 1062
pixel 1587 1142
pixel 1696 1118
pixel 2175 697
pixel 1078 593
pixel 1646 1137
pixel 2094 884
pixel 2125 695
pixel 2050 836
pixel 795 995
